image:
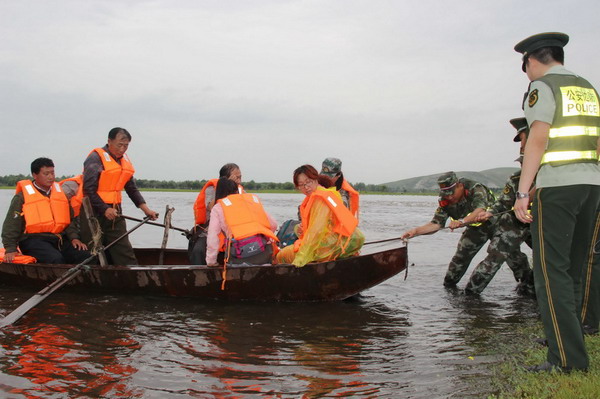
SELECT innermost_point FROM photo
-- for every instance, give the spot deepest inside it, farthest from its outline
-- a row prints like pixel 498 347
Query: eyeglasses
pixel 305 184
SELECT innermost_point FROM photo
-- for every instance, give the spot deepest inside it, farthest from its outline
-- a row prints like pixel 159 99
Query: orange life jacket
pixel 76 199
pixel 344 222
pixel 114 176
pixel 245 216
pixel 354 199
pixel 200 204
pixel 200 213
pixel 44 214
pixel 20 258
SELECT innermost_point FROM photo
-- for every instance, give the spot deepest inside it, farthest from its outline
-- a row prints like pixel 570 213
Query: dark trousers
pixel 562 229
pixel 52 249
pixel 590 281
pixel 121 253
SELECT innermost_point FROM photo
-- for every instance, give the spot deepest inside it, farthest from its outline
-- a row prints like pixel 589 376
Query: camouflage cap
pixel 447 181
pixel 331 167
pixel 521 125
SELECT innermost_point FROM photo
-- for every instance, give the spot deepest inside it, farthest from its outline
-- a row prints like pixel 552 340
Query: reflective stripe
pixel 571 131
pixel 555 156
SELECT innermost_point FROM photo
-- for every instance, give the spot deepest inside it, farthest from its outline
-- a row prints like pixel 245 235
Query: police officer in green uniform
pixel 462 200
pixel 563 113
pixel 590 308
pixel 508 235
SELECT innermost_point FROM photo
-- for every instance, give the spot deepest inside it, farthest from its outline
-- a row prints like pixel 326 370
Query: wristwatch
pixel 521 195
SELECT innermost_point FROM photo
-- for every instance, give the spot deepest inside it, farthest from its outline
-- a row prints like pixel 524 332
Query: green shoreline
pixel 512 381
pixel 178 190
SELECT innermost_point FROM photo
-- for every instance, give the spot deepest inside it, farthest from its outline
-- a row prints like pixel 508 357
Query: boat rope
pixel 96 237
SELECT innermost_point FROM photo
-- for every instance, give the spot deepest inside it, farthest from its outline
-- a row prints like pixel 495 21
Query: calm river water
pixel 404 338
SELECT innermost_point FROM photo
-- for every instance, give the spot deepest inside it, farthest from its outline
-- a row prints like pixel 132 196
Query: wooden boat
pixel 326 281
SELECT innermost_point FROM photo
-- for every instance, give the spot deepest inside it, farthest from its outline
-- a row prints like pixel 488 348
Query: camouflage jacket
pixel 476 196
pixel 506 200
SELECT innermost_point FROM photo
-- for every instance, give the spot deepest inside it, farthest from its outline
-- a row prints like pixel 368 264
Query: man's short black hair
pixel 116 130
pixel 546 55
pixel 39 163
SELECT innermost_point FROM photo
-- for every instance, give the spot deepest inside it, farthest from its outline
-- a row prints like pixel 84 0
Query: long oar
pixel 62 280
pixel 157 224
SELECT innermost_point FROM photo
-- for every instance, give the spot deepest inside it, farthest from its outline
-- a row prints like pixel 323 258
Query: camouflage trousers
pixel 505 236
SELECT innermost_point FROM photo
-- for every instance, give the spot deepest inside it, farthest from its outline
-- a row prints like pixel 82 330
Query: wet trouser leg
pixel 471 241
pixel 590 307
pixel 563 224
pixel 504 246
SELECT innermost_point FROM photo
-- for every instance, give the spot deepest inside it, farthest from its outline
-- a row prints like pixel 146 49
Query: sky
pixel 395 89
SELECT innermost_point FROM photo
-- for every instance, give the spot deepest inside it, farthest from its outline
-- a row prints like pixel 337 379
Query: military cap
pixel 521 125
pixel 331 167
pixel 447 181
pixel 535 42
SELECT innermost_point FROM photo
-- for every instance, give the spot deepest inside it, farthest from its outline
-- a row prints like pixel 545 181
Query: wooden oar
pixel 186 231
pixel 62 280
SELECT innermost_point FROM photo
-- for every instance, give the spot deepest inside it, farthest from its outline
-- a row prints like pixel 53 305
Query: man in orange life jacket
pixel 202 207
pixel 106 172
pixel 332 167
pixel 40 220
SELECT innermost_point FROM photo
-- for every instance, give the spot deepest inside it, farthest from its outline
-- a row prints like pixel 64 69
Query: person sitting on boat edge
pixel 106 172
pixel 462 200
pixel 332 167
pixel 40 220
pixel 328 230
pixel 202 207
pixel 248 229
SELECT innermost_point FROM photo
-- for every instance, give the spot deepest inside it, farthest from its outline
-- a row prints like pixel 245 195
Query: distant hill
pixel 493 178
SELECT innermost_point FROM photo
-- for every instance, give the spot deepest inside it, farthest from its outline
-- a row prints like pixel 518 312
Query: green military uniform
pixel 474 237
pixel 566 201
pixel 590 307
pixel 507 236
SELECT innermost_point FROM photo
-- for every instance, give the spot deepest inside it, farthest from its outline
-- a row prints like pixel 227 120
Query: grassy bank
pixel 514 382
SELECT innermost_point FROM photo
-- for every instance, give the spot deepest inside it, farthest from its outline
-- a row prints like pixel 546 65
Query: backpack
pixel 286 233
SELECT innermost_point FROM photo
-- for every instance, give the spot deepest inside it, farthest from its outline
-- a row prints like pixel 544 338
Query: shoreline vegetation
pixel 265 191
pixel 512 381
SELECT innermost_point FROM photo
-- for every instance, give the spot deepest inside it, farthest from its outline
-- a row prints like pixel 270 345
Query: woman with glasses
pixel 328 230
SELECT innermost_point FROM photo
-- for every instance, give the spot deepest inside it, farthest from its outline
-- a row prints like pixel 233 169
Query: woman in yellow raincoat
pixel 328 230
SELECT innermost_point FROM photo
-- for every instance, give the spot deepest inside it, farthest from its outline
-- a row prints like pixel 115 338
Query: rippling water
pixel 404 338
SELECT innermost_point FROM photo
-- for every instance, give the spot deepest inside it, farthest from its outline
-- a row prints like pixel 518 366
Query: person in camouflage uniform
pixel 462 200
pixel 508 235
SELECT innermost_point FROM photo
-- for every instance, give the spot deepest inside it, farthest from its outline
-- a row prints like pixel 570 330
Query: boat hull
pixel 326 281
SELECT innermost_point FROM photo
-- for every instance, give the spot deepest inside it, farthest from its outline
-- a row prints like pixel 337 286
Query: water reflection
pixel 71 357
pixel 410 338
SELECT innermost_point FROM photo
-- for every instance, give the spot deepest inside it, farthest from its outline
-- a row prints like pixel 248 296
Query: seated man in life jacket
pixel 248 229
pixel 106 172
pixel 332 167
pixel 202 207
pixel 40 220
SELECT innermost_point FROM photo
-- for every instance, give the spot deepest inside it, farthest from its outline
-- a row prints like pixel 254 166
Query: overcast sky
pixel 396 89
